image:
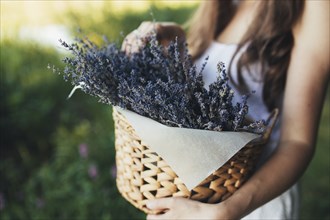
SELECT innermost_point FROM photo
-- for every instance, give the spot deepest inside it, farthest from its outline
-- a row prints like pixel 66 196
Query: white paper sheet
pixel 193 154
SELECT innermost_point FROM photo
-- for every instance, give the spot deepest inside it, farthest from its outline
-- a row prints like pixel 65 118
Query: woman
pixel 280 49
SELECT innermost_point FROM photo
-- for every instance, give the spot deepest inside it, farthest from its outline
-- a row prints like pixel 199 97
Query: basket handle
pixel 272 118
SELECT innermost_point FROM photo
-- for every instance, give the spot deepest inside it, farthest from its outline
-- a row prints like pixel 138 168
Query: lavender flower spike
pixel 157 83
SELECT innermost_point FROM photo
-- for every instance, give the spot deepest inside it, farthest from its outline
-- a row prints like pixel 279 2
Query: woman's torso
pixel 219 52
pixel 223 49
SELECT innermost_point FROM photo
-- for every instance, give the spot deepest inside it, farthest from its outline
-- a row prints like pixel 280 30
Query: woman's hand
pixel 181 208
pixel 165 33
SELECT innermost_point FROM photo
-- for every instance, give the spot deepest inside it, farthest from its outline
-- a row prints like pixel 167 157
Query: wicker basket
pixel 143 175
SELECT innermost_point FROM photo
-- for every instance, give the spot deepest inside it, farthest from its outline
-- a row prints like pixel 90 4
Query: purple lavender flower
pixel 83 150
pixel 93 171
pixel 113 171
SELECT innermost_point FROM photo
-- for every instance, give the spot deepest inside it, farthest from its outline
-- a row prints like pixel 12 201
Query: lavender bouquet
pixel 163 97
pixel 157 82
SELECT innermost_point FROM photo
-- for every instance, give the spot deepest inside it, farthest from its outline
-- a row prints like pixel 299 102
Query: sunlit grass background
pixel 57 155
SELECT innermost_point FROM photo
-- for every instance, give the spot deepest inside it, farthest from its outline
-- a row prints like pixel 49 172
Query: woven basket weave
pixel 142 175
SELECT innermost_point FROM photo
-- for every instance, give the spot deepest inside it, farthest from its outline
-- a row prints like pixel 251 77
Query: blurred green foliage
pixel 45 171
pixel 57 155
pixel 116 25
pixel 43 176
pixel 315 185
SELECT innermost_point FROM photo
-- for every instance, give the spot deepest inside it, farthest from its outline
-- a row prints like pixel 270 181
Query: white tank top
pixel 218 52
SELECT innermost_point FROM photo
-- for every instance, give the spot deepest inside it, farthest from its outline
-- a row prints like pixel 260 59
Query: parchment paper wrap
pixel 193 154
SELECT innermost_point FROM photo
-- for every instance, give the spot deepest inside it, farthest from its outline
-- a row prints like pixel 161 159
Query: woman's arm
pixel 307 80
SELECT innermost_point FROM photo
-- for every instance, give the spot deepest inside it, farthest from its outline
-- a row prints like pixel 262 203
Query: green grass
pixel 315 189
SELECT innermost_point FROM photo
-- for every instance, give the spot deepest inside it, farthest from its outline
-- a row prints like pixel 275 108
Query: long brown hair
pixel 269 39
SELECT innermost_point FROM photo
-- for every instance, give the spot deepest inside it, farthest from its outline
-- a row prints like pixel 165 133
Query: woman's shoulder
pixel 315 15
pixel 312 31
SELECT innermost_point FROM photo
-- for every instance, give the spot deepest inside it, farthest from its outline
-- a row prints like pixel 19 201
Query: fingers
pixel 132 42
pixel 155 217
pixel 165 33
pixel 171 208
pixel 148 27
pixel 159 207
pixel 183 208
pixel 135 40
pixel 160 204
